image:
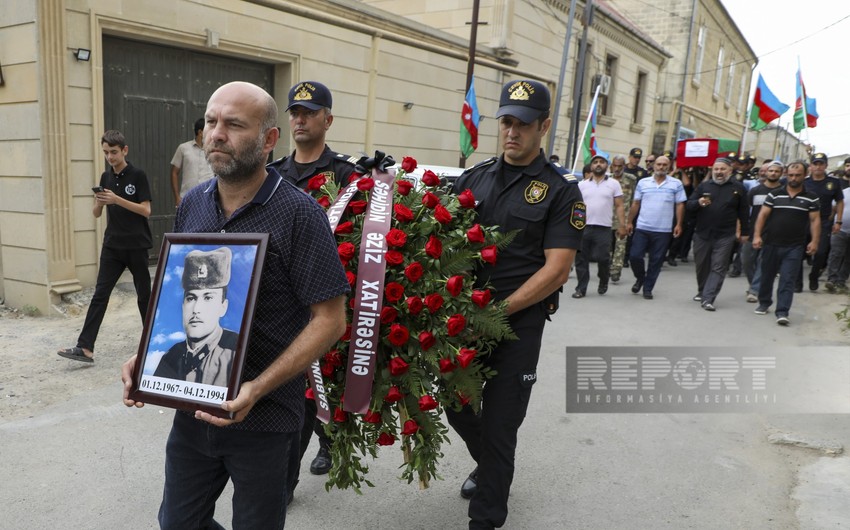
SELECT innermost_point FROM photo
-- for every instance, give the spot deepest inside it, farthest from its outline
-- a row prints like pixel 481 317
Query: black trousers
pixel 491 435
pixel 113 261
pixel 311 425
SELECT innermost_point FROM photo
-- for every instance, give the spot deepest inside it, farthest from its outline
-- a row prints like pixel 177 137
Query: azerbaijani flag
pixel 589 145
pixel 805 109
pixel 469 122
pixel 766 107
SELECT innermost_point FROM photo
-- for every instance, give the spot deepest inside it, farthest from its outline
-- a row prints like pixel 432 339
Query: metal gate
pixel 153 94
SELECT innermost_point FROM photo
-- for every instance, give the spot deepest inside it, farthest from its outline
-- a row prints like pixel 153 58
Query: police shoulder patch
pixel 578 215
pixel 489 161
pixel 345 158
pixel 536 192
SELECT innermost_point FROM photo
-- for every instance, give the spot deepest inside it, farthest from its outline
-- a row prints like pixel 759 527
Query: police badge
pixel 578 215
pixel 536 192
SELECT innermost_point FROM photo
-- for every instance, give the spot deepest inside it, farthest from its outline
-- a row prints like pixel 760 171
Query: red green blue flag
pixel 589 145
pixel 766 106
pixel 469 122
pixel 805 109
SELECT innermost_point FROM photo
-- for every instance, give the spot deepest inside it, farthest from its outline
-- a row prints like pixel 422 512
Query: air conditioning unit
pixel 603 82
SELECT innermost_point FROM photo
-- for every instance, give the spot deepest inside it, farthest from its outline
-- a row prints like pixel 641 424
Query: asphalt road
pixel 90 463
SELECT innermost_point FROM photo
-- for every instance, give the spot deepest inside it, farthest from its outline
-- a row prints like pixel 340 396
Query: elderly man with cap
pixel 518 190
pixel 206 356
pixel 657 200
pixel 828 190
pixel 720 206
pixel 755 198
pixel 312 161
pixel 603 197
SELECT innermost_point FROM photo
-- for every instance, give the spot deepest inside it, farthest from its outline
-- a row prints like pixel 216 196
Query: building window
pixel 699 55
pixel 741 94
pixel 719 72
pixel 730 82
pixel 606 102
pixel 640 90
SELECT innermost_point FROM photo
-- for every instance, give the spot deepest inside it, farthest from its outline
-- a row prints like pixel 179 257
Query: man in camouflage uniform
pixel 627 184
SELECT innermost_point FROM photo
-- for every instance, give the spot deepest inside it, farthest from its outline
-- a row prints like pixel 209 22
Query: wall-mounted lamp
pixel 82 54
pixel 212 38
pixel 408 105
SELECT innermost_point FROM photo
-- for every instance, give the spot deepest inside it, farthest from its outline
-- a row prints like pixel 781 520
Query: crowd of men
pixel 764 222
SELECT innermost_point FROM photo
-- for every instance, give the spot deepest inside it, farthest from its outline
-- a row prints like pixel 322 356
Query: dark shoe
pixel 829 286
pixel 647 296
pixel 322 463
pixel 672 262
pixel 708 306
pixel 761 310
pixel 697 298
pixel 76 354
pixel 637 286
pixel 813 282
pixel 470 485
pixel 798 288
pixel 603 288
pixel 683 259
pixel 615 278
pixel 782 321
pixel 578 294
pixel 734 273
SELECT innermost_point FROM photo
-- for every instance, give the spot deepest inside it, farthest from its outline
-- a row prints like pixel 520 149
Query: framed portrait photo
pixel 198 323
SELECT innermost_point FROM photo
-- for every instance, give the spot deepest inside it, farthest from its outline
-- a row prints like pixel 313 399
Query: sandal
pixel 76 354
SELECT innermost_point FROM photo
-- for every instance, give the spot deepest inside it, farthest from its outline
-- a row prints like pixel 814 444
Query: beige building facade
pixel 398 86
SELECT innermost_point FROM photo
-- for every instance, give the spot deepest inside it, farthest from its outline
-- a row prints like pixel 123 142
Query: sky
pixel 816 31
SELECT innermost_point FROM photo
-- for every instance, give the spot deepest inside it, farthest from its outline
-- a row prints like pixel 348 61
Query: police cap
pixel 636 152
pixel 310 94
pixel 525 100
pixel 819 157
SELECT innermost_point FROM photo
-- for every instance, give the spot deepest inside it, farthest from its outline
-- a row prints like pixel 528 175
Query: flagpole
pixel 584 129
pixel 470 66
pixel 559 93
pixel 749 112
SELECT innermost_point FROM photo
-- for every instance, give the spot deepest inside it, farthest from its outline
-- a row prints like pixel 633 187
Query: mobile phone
pixel 706 195
pixel 97 189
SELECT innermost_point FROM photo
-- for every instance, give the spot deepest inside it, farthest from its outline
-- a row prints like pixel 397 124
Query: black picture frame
pixel 170 388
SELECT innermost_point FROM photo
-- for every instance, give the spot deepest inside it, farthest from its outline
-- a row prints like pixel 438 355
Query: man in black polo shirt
pixel 299 314
pixel 791 211
pixel 519 190
pixel 828 190
pixel 720 206
pixel 125 192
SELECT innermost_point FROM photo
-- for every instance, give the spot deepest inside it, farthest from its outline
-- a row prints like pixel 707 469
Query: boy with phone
pixel 125 192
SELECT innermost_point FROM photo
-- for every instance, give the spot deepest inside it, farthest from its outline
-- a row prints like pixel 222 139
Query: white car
pixel 447 174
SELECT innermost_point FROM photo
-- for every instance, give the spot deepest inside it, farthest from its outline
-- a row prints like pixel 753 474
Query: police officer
pixel 310 118
pixel 518 190
pixel 828 190
pixel 633 165
pixel 206 356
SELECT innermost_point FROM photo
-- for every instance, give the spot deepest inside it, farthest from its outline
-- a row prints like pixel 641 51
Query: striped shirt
pixel 789 217
pixel 658 203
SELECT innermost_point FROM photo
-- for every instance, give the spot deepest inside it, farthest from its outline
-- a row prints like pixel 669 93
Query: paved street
pixel 89 463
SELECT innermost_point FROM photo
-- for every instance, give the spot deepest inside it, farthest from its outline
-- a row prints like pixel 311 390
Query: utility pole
pixel 470 67
pixel 578 86
pixel 559 94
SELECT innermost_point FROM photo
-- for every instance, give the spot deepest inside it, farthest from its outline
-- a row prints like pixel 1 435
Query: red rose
pixel 414 305
pixel 340 415
pixel 465 356
pixel 430 200
pixel 488 254
pixel 455 324
pixel 351 277
pixel 309 394
pixel 398 337
pixel 466 199
pixel 386 439
pixel 446 366
pixel 344 228
pixel 316 182
pixel 324 201
pixel 429 178
pixel 393 395
pixel 354 176
pixel 454 285
pixel 434 247
pixel 388 315
pixel 333 358
pixel 434 302
pixel 372 417
pixel 396 238
pixel 426 340
pixel 475 234
pixel 427 403
pixel 481 298
pixel 397 365
pixel 402 213
pixel 351 299
pixel 408 164
pixel 365 184
pixel 410 427
pixel 413 271
pixel 357 207
pixel 393 291
pixel 394 257
pixel 327 370
pixel 464 400
pixel 404 186
pixel 442 215
pixel 346 335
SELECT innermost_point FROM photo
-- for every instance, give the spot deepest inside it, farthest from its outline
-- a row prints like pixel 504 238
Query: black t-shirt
pixel 125 229
pixel 789 217
pixel 755 198
pixel 828 191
